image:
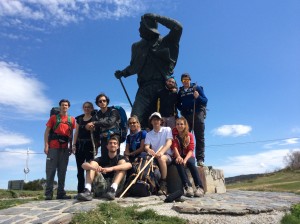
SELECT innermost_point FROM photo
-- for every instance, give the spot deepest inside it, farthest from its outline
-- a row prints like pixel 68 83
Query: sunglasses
pixel 185 80
pixel 101 101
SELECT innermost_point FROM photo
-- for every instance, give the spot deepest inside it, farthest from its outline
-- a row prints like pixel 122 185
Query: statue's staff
pixel 125 91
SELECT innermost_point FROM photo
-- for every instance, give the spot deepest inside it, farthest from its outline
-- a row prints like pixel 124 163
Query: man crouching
pixel 106 175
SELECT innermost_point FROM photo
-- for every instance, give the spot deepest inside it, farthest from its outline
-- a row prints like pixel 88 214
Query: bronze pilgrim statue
pixel 153 59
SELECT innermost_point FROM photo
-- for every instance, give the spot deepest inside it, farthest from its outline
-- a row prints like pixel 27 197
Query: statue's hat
pixel 150 24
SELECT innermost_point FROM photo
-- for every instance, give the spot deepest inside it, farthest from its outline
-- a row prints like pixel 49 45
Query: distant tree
pixel 36 185
pixel 292 160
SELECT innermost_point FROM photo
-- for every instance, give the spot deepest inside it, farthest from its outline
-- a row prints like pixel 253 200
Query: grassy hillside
pixel 283 180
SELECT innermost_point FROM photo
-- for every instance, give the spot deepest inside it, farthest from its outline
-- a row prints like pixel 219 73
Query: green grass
pixel 114 213
pixel 11 198
pixel 293 217
pixel 281 181
pixel 13 202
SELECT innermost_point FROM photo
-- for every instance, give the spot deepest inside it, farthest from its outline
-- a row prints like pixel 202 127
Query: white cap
pixel 155 114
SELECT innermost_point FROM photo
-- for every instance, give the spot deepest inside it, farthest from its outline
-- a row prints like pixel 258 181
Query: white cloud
pixel 232 130
pixel 12 139
pixel 62 12
pixel 257 163
pixel 289 141
pixel 21 91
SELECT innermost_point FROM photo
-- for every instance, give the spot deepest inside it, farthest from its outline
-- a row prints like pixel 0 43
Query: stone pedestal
pixel 213 180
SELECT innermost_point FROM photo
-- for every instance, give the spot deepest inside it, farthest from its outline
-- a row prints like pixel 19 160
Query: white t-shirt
pixel 158 139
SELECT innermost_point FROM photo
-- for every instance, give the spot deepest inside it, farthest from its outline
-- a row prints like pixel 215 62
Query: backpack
pixel 52 135
pixel 123 124
pixel 147 182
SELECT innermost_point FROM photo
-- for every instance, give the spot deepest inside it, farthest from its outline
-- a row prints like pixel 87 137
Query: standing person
pixel 183 148
pixel 109 172
pixel 84 146
pixel 153 58
pixel 157 137
pixel 135 141
pixel 105 122
pixel 58 142
pixel 192 105
pixel 166 103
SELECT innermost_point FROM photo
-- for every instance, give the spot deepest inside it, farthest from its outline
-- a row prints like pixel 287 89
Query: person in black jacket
pixel 192 106
pixel 105 122
pixel 166 103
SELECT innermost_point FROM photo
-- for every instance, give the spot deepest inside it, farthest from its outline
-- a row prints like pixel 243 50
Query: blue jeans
pixel 190 164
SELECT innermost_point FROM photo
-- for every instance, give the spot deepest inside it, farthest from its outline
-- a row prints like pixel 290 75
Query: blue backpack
pixel 123 129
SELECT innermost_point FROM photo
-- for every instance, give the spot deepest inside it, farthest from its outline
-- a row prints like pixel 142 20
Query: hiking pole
pixel 135 179
pixel 194 108
pixel 125 91
pixel 93 142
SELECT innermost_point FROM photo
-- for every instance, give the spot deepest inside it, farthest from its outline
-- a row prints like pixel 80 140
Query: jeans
pixel 194 172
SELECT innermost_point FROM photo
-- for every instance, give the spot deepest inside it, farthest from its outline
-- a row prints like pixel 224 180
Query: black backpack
pixel 147 182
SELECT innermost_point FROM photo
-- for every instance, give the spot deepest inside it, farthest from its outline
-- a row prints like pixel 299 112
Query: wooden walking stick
pixel 137 176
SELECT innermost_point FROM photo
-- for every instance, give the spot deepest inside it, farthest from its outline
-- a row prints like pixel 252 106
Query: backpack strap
pixel 58 121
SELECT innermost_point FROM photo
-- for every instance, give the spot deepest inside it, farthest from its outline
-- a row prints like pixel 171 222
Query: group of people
pixel 154 125
pixel 169 140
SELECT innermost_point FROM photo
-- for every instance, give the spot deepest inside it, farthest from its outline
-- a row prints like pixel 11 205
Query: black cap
pixel 185 75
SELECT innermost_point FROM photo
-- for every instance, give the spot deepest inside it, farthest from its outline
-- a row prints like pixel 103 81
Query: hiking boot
pixel 48 197
pixel 63 197
pixel 86 195
pixel 199 192
pixel 110 194
pixel 163 187
pixel 189 192
pixel 200 163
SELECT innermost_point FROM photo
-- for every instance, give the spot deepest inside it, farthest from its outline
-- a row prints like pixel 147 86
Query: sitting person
pixel 183 148
pixel 105 170
pixel 135 140
pixel 159 137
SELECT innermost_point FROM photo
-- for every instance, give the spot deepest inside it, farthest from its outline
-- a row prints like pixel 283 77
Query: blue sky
pixel 244 53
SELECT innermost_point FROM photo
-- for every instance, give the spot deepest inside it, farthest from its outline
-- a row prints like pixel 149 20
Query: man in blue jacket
pixel 192 103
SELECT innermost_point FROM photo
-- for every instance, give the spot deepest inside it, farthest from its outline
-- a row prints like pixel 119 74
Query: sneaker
pixel 189 192
pixel 110 194
pixel 48 197
pixel 86 195
pixel 199 192
pixel 63 197
pixel 163 187
pixel 200 163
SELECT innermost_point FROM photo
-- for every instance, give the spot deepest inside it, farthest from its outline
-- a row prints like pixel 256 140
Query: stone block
pixel 213 180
